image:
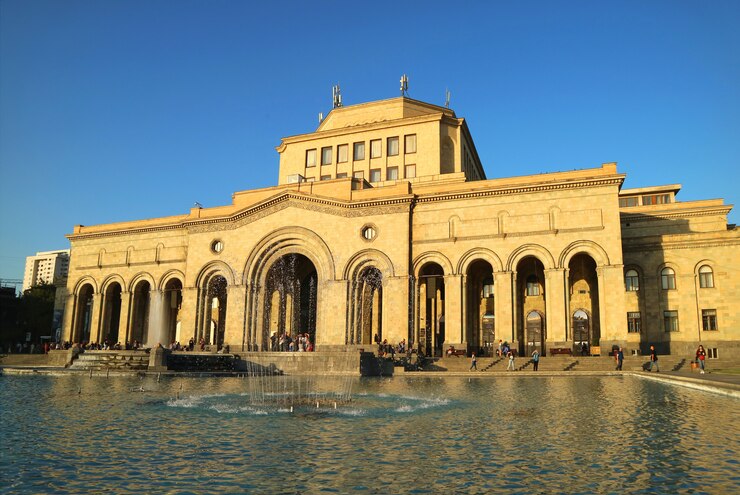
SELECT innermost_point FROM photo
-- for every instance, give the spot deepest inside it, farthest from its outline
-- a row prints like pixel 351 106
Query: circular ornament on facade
pixel 369 232
pixel 217 246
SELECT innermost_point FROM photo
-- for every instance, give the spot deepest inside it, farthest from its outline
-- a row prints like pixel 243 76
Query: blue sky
pixel 124 110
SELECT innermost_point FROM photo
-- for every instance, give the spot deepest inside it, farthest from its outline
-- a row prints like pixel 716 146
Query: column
pixel 124 324
pixel 188 313
pixel 156 334
pixel 236 298
pixel 69 318
pixel 555 303
pixel 96 310
pixel 453 309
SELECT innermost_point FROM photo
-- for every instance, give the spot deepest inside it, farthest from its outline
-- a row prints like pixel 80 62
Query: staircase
pixel 562 363
pixel 111 360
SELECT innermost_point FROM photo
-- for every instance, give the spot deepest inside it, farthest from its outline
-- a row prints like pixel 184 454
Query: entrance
pixel 534 333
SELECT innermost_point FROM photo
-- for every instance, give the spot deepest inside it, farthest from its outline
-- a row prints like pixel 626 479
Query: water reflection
pixel 72 434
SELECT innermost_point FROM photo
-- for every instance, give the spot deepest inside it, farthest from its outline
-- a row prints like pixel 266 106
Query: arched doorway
pixel 584 301
pixel 290 300
pixel 431 309
pixel 140 313
pixel 368 306
pixel 480 307
pixel 172 305
pixel 581 331
pixel 83 316
pixel 531 298
pixel 111 314
pixel 534 333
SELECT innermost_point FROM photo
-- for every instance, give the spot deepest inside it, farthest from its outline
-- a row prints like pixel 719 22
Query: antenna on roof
pixel 404 85
pixel 321 117
pixel 447 98
pixel 197 205
pixel 336 96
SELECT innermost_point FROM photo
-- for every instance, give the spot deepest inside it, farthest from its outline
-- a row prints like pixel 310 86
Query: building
pixel 48 267
pixel 383 225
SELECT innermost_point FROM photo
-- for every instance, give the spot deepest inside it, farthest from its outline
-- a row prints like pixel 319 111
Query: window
pixel 392 173
pixel 343 175
pixel 392 146
pixel 668 279
pixel 409 144
pixel 311 158
pixel 627 202
pixel 670 321
pixel 369 233
pixel 410 171
pixel 359 151
pixel 709 319
pixel 712 353
pixel 375 148
pixel 631 281
pixel 706 277
pixel 326 177
pixel 326 155
pixel 342 153
pixel 488 287
pixel 375 175
pixel 359 174
pixel 633 322
pixel 533 286
pixel 656 199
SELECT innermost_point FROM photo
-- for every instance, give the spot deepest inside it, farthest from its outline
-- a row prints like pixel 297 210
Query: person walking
pixel 535 360
pixel 510 366
pixel 620 359
pixel 473 363
pixel 654 359
pixel 701 355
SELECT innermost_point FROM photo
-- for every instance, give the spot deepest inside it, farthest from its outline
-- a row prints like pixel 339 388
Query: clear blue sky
pixel 124 110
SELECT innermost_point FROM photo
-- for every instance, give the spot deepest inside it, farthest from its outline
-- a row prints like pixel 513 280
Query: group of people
pixel 287 343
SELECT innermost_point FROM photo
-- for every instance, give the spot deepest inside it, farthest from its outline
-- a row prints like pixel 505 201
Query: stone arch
pixel 433 257
pixel 111 279
pixel 479 254
pixel 590 248
pixel 367 257
pixel 214 268
pixel 138 278
pixel 171 275
pixel 539 252
pixel 287 240
pixel 708 262
pixel 85 281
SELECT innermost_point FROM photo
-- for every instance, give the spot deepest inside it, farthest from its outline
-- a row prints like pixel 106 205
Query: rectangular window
pixel 326 155
pixel 359 175
pixel 633 322
pixel 627 202
pixel 709 319
pixel 712 353
pixel 343 175
pixel 326 177
pixel 656 199
pixel 375 175
pixel 410 171
pixel 376 148
pixel 342 153
pixel 392 173
pixel 392 146
pixel 359 151
pixel 311 158
pixel 670 321
pixel 409 143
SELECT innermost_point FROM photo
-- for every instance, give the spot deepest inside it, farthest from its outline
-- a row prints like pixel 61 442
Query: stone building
pixel 383 225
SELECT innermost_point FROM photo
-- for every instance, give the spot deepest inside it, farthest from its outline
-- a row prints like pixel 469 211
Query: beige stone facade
pixel 384 225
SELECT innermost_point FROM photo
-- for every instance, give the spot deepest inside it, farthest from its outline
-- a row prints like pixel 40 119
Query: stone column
pixel 504 310
pixel 515 308
pixel 69 318
pixel 612 312
pixel 187 314
pixel 464 316
pixel 453 309
pixel 395 309
pixel 156 332
pixel 555 303
pixel 236 298
pixel 124 324
pixel 95 320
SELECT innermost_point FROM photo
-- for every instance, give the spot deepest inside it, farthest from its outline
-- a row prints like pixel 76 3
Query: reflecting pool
pixel 436 435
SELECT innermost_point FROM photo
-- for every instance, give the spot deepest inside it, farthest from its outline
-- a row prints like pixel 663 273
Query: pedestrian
pixel 620 358
pixel 510 366
pixel 700 357
pixel 473 363
pixel 654 359
pixel 500 350
pixel 535 360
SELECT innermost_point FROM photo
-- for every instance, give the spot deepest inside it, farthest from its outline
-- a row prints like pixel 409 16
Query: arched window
pixel 488 287
pixel 668 279
pixel 706 277
pixel 631 281
pixel 533 286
